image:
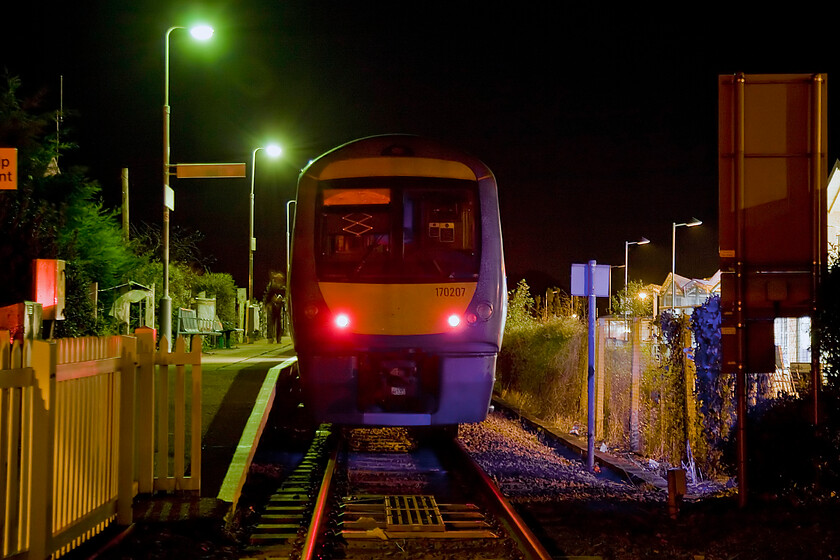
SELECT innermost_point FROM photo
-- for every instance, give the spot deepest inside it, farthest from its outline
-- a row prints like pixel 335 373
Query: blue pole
pixel 590 380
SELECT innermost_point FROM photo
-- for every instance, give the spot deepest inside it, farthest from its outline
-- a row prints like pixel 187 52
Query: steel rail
pixel 319 511
pixel 526 541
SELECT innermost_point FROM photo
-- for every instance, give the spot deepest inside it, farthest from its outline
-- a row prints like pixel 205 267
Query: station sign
pixel 597 285
pixel 210 170
pixel 8 169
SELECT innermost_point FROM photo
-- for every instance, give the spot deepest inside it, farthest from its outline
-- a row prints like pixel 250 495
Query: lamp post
pixel 273 151
pixel 202 33
pixel 692 223
pixel 642 241
pixel 289 205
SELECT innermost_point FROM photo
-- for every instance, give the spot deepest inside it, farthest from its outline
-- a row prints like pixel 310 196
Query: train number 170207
pixel 450 291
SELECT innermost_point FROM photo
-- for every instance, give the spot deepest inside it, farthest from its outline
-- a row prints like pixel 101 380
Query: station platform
pixel 236 400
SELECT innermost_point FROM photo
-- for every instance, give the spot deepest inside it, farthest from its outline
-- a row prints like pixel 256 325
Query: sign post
pixel 591 280
pixel 772 208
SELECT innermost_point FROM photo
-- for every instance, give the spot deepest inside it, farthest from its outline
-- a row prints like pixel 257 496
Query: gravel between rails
pixel 526 469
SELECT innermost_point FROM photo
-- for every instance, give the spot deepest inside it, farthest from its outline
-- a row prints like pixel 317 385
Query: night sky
pixel 600 126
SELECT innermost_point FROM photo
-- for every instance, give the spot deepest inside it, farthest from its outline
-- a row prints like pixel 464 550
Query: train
pixel 397 292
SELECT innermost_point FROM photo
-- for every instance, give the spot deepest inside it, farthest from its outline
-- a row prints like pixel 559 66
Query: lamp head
pixel 201 32
pixel 273 150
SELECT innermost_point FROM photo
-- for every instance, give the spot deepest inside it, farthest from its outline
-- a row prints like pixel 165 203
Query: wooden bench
pixel 189 324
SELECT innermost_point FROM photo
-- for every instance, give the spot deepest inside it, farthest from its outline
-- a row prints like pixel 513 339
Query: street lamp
pixel 289 205
pixel 692 223
pixel 202 33
pixel 274 151
pixel 642 241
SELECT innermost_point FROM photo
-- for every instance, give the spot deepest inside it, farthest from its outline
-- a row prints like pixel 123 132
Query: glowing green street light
pixel 273 150
pixel 201 32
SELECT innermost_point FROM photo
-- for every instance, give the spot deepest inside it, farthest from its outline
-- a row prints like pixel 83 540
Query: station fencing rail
pixel 85 426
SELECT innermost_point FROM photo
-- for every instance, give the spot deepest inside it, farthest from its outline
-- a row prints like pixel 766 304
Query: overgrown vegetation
pixel 687 406
pixel 540 362
pixel 57 213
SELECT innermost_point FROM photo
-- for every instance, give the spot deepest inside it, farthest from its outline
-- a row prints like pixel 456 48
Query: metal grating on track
pixel 405 516
pixel 412 513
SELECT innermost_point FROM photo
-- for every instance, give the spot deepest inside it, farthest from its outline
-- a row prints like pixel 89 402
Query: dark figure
pixel 274 302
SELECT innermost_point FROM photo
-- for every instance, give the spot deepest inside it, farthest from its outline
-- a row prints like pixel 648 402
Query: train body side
pixel 413 347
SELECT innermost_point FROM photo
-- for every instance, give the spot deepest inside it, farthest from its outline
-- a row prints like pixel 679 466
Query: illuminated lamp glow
pixel 201 32
pixel 453 320
pixel 342 321
pixel 472 318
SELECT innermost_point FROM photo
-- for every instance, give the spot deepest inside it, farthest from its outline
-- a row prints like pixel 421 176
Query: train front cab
pixel 397 314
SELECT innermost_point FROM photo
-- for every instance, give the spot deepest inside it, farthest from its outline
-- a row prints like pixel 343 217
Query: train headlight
pixel 484 310
pixel 342 321
pixel 453 320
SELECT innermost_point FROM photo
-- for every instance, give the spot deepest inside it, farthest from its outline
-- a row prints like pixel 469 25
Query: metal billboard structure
pixel 773 217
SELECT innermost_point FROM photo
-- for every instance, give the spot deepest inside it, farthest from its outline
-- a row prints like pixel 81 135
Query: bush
pixel 223 288
pixel 784 450
pixel 541 360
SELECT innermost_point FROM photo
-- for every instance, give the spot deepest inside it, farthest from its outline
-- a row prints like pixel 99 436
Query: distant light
pixel 201 32
pixel 642 295
pixel 342 321
pixel 273 150
pixel 454 321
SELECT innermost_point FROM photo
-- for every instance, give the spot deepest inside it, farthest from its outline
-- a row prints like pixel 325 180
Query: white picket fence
pixel 85 425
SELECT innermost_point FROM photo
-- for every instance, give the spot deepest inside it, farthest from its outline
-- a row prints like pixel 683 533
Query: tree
pixel 634 300
pixel 520 311
pixel 27 224
pixel 53 214
pixel 827 323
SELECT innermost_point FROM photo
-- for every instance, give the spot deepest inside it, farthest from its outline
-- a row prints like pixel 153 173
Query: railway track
pixel 374 492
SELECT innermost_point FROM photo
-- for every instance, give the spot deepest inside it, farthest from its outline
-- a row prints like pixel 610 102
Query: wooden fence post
pixel 125 484
pixel 44 358
pixel 635 384
pixel 600 379
pixel 145 434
